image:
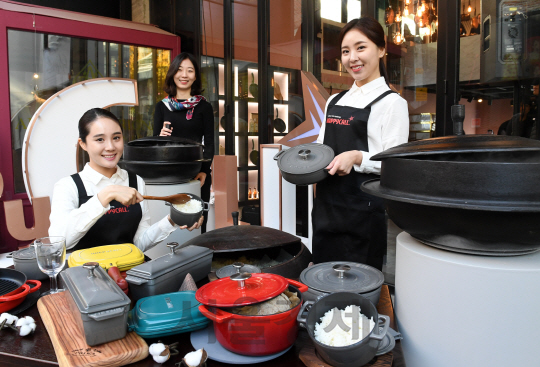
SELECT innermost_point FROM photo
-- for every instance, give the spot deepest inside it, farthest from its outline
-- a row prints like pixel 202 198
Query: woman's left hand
pixel 201 176
pixel 195 226
pixel 344 162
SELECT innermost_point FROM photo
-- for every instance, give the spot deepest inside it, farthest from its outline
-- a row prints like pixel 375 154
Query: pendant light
pixel 398 38
pixel 469 9
pixel 406 11
pixel 398 16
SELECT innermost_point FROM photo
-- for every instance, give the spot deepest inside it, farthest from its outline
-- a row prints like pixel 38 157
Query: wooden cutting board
pixel 70 344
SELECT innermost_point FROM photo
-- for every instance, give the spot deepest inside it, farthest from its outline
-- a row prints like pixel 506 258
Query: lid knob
pixel 172 246
pixel 341 269
pixel 304 153
pixel 238 265
pixel 91 266
pixel 240 278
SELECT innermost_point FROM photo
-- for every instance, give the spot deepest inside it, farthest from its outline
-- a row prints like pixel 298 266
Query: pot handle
pixel 301 286
pixel 109 314
pixel 218 317
pixel 278 154
pixel 21 294
pixel 301 319
pixel 36 283
pixel 380 336
pixel 206 206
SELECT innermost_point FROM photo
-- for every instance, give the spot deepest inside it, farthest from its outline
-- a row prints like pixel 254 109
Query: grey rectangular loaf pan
pixel 166 273
pixel 97 302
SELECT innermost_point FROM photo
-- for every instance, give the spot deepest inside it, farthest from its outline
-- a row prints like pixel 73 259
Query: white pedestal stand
pixel 465 310
pixel 158 210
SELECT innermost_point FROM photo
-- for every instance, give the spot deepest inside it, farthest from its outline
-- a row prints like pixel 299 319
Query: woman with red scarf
pixel 186 113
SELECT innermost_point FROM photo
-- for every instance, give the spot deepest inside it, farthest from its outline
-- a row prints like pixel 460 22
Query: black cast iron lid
pixel 161 140
pixel 339 276
pixel 482 146
pixel 240 238
pixel 305 158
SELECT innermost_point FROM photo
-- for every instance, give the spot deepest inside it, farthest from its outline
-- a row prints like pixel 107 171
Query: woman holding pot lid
pixel 186 113
pixel 103 204
pixel 361 122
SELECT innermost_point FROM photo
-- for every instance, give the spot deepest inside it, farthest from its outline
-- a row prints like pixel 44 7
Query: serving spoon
pixel 173 199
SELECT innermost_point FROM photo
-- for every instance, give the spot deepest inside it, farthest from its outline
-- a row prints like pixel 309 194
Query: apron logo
pixel 339 121
pixel 118 210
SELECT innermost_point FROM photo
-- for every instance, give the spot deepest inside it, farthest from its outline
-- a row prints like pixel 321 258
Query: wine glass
pixel 51 257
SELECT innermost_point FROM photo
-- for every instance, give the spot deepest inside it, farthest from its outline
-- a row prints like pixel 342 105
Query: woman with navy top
pixel 186 113
pixel 348 224
pixel 103 204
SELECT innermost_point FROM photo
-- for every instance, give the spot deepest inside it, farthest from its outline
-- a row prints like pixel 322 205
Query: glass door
pixel 499 83
pixel 411 27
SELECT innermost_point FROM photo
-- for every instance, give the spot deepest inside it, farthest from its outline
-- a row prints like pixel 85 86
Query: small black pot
pixel 187 219
pixel 305 164
pixel 254 154
pixel 353 355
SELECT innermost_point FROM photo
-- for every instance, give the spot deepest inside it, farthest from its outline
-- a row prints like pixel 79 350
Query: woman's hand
pixel 195 226
pixel 123 194
pixel 165 130
pixel 201 176
pixel 344 162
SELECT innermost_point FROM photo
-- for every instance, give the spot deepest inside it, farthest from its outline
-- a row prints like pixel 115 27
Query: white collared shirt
pixel 388 123
pixel 73 222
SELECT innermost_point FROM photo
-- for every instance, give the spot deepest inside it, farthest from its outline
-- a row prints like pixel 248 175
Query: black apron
pixel 348 224
pixel 118 225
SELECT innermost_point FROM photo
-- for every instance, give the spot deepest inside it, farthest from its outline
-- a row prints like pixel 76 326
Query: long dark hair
pixel 92 115
pixel 169 86
pixel 374 31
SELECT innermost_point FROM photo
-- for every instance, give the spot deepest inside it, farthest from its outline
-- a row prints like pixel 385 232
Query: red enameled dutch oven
pixel 250 335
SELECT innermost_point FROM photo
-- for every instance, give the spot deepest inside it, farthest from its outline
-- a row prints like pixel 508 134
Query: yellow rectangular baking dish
pixel 124 256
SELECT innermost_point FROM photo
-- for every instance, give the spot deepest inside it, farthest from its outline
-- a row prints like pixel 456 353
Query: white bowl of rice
pixel 189 213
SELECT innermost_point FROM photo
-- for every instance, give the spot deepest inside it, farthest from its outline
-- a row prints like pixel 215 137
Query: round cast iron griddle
pixel 474 147
pixel 466 229
pixel 161 141
pixel 240 238
pixel 10 280
pixel 163 172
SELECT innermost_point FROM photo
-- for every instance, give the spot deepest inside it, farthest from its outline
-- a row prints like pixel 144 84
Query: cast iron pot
pixel 163 172
pixel 305 164
pixel 187 219
pixel 163 149
pixel 354 355
pixel 24 260
pixel 475 194
pixel 273 333
pixel 341 276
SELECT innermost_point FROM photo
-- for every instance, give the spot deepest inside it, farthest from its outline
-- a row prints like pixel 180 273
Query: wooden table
pixel 37 349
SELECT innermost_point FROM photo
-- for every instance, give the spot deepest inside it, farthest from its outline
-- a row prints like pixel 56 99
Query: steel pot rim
pixel 374 188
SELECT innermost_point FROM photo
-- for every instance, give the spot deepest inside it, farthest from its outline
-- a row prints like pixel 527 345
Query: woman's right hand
pixel 123 194
pixel 165 130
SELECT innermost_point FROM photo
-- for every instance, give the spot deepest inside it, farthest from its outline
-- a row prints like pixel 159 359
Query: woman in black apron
pixel 349 225
pixel 111 212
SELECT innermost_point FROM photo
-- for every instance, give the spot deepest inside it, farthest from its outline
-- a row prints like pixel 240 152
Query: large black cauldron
pixel 476 194
pixel 163 159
